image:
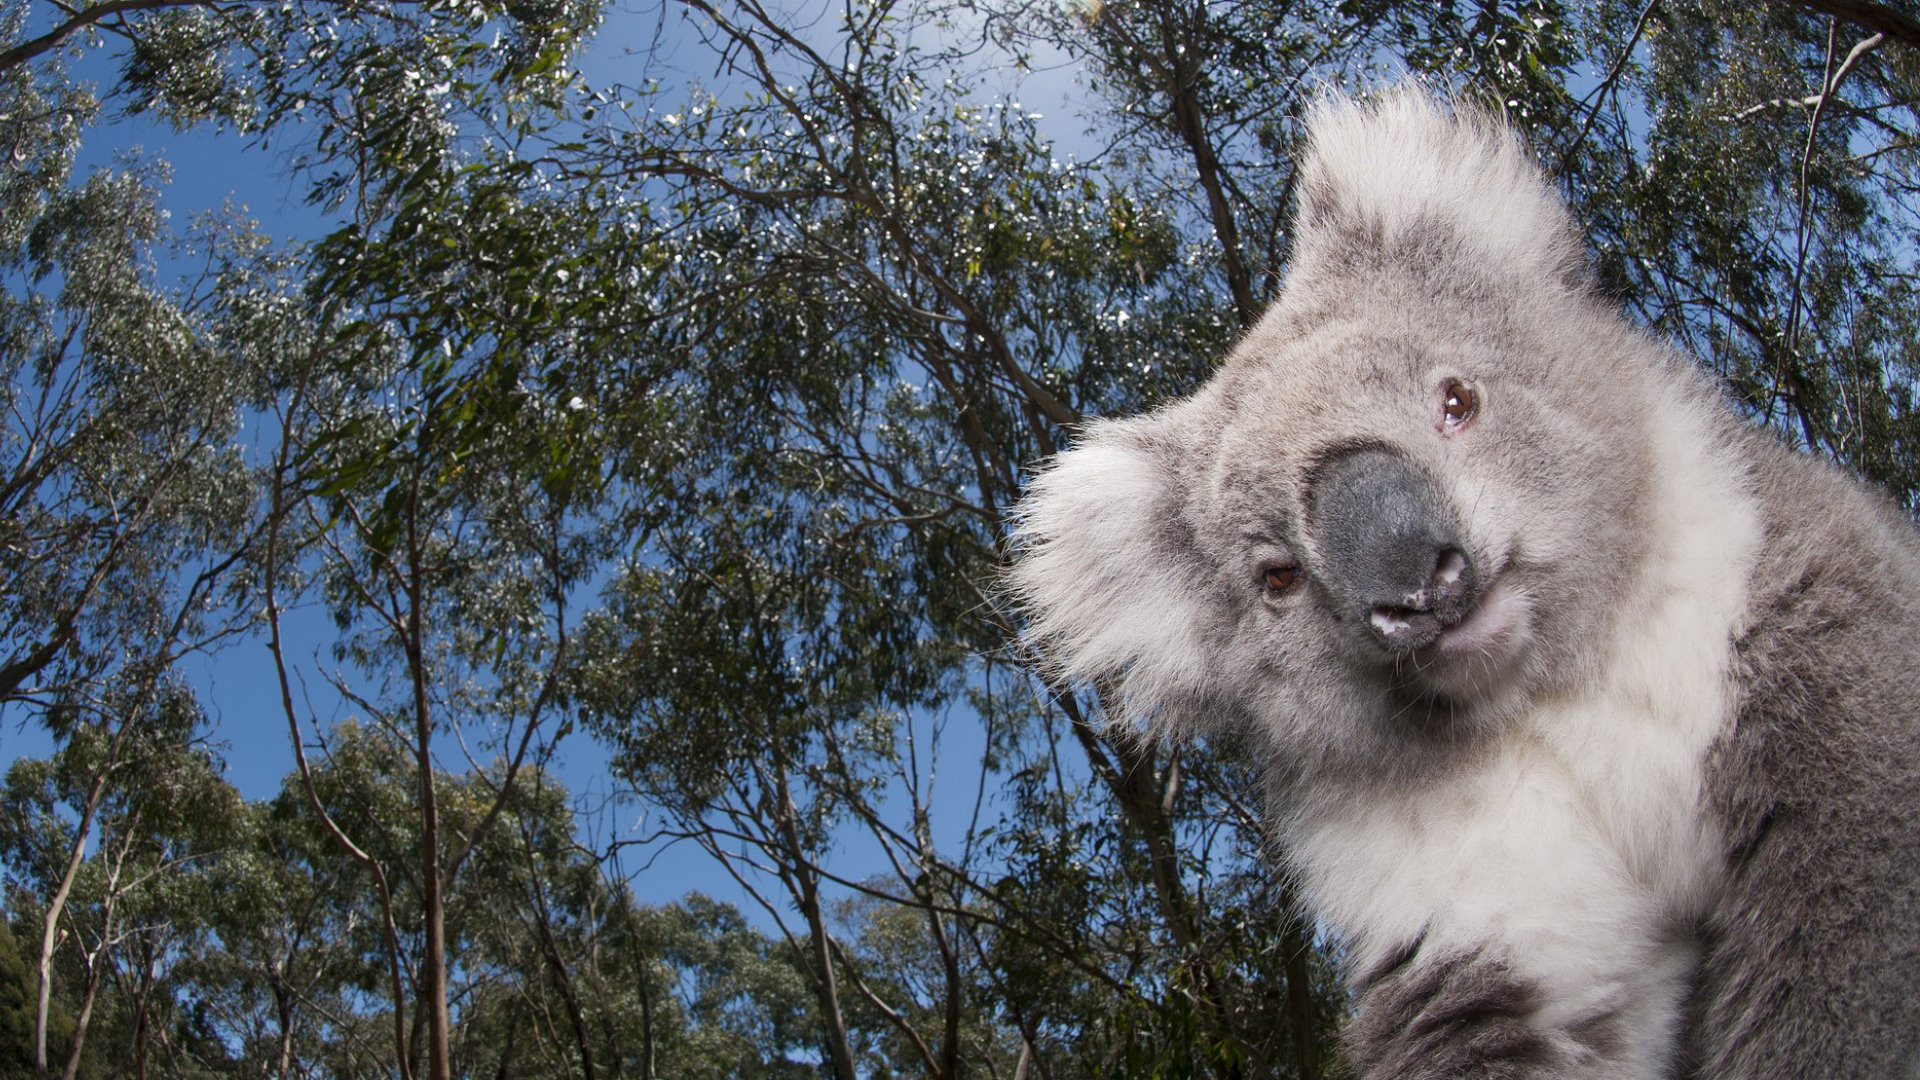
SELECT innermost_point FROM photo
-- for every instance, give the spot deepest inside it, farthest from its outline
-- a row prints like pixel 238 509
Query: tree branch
pixel 1879 18
pixel 51 40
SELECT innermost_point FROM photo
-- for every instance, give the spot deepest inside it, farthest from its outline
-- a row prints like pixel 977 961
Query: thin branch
pixel 82 19
pixel 1830 85
pixel 1879 18
pixel 1599 93
pixel 270 572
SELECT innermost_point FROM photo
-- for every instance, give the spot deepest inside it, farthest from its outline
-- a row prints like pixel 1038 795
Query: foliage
pixel 1765 219
pixel 683 420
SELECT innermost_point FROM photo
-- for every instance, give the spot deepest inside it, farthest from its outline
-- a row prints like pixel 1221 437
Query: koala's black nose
pixel 1392 548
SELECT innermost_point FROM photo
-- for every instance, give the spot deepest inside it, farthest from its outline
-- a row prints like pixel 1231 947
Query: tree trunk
pixel 50 926
pixel 432 899
pixel 283 1012
pixel 1306 1048
pixel 807 890
pixel 557 967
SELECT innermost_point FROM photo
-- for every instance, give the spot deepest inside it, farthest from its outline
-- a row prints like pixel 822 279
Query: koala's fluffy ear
pixel 1108 575
pixel 1397 172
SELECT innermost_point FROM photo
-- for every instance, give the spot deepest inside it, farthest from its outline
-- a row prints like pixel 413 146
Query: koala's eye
pixel 1280 577
pixel 1459 404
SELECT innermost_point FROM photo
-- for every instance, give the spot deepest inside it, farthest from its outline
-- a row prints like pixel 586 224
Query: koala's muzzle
pixel 1391 547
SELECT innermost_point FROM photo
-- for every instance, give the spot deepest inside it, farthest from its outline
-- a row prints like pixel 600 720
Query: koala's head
pixel 1408 500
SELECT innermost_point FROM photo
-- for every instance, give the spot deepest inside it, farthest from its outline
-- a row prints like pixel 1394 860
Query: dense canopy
pixel 650 386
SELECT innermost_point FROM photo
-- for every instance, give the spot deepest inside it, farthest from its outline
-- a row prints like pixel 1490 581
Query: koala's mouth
pixel 1432 633
pixel 1485 626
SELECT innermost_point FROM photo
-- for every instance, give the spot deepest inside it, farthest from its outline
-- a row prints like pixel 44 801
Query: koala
pixel 1588 714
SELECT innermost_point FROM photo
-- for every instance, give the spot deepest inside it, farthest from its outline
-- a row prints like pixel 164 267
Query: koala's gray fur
pixel 1591 715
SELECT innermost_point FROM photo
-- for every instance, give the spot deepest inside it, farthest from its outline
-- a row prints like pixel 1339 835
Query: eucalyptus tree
pixel 1750 173
pixel 160 816
pixel 125 502
pixel 130 500
pixel 274 981
pixel 693 414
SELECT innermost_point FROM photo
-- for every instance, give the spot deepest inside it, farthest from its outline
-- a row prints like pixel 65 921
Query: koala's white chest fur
pixel 1578 850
